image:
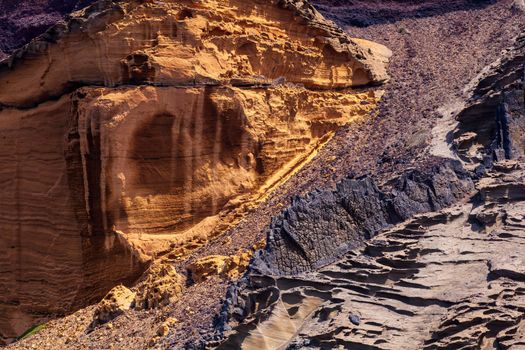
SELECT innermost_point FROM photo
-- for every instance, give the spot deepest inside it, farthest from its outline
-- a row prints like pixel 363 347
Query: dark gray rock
pixel 318 229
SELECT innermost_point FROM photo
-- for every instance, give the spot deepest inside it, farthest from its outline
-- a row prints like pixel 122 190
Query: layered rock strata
pixel 215 42
pixel 438 281
pixel 141 127
pixel 449 279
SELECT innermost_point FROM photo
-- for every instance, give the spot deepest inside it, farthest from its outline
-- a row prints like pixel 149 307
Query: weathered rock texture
pixel 225 266
pixel 449 279
pixel 140 127
pixel 318 229
pixel 492 125
pixel 215 42
pixel 439 281
pixel 114 304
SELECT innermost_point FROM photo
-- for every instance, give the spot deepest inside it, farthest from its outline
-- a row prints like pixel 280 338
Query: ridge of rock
pixel 318 229
pixel 333 59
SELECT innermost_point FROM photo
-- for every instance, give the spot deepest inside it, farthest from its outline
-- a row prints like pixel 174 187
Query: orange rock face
pixel 144 126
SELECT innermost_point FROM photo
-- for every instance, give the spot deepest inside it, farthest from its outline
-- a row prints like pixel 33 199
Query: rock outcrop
pixel 226 266
pixel 141 127
pixel 322 227
pixel 492 124
pixel 114 304
pixel 23 20
pixel 450 278
pixel 438 281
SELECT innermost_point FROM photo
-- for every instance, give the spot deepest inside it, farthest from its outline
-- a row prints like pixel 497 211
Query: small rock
pixel 519 5
pixel 152 341
pixel 163 330
pixel 404 30
pixel 170 321
pixel 109 325
pixel 114 304
pixel 356 320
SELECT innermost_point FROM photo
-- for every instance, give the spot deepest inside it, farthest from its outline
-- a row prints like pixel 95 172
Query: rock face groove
pixel 140 127
pixel 441 278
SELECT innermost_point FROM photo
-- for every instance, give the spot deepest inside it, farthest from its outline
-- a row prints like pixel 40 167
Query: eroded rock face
pixel 184 163
pixel 439 281
pixel 448 279
pixel 492 124
pixel 244 42
pixel 318 229
pixel 139 127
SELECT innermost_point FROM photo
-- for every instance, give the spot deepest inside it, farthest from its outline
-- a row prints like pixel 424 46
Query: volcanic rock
pixel 491 126
pixel 23 20
pixel 430 283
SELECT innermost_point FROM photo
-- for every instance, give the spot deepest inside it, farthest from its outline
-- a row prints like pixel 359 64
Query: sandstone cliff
pixel 347 266
pixel 141 127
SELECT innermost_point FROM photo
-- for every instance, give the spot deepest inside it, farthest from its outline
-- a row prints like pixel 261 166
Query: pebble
pixel 152 341
pixel 163 330
pixel 355 319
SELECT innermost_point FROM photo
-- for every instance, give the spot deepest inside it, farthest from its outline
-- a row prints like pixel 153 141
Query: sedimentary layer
pixel 138 128
pixel 448 279
pixel 245 43
pixel 438 281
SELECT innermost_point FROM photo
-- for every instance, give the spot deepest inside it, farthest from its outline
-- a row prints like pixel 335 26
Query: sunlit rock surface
pixel 400 266
pixel 140 127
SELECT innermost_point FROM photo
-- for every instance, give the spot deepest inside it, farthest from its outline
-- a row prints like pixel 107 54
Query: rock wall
pixel 243 43
pixel 438 281
pixel 451 278
pixel 141 127
pixel 492 124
